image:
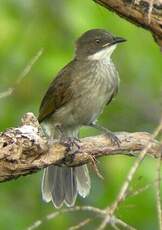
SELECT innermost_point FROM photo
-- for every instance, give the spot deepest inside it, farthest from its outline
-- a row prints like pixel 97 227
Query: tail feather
pixel 83 180
pixel 56 178
pixel 46 193
pixel 70 186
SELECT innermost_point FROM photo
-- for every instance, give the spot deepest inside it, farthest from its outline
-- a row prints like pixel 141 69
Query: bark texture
pixel 25 149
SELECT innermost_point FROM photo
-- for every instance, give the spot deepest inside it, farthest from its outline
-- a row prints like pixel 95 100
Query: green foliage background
pixel 28 26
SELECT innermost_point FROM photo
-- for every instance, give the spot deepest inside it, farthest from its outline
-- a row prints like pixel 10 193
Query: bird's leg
pixel 69 142
pixel 61 131
pixel 114 139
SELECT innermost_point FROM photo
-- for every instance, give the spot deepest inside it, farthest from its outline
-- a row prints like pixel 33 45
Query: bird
pixel 76 98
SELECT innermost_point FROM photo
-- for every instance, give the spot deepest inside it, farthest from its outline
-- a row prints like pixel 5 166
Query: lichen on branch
pixel 25 149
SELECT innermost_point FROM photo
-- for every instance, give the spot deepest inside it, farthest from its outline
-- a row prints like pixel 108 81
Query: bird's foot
pixel 72 148
pixel 114 139
pixel 72 144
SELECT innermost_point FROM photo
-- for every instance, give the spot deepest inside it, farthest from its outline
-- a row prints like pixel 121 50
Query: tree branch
pixel 144 13
pixel 25 149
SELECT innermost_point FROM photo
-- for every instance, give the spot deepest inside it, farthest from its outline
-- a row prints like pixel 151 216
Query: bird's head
pixel 96 44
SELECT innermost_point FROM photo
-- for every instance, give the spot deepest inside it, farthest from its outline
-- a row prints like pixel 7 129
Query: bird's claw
pixel 114 139
pixel 71 143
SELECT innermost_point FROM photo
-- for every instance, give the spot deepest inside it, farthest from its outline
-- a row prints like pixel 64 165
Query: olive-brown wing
pixel 116 86
pixel 58 94
pixel 112 96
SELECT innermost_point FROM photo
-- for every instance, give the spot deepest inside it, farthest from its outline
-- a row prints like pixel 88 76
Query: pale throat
pixel 102 54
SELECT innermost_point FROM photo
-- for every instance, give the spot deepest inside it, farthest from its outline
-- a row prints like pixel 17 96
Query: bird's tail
pixel 62 184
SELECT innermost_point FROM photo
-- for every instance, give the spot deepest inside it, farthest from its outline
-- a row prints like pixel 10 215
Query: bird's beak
pixel 115 41
pixel 118 40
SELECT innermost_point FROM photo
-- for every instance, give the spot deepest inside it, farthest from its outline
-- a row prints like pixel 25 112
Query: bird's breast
pixel 94 89
pixel 93 85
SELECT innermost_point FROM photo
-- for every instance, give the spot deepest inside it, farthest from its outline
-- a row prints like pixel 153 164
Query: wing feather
pixel 58 93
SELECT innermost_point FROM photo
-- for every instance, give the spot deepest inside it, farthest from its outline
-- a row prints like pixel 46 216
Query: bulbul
pixel 76 98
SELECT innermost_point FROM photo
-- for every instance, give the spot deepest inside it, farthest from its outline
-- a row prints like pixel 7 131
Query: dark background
pixel 28 26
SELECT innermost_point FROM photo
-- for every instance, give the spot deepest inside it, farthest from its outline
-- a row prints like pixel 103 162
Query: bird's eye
pixel 97 41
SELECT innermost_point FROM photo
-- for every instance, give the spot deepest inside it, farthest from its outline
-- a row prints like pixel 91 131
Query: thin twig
pixel 22 75
pixel 125 225
pixel 114 226
pixel 95 167
pixel 124 189
pixel 53 215
pixel 29 66
pixel 6 93
pixel 99 213
pixel 81 224
pixel 158 198
pixel 35 225
pixel 142 189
